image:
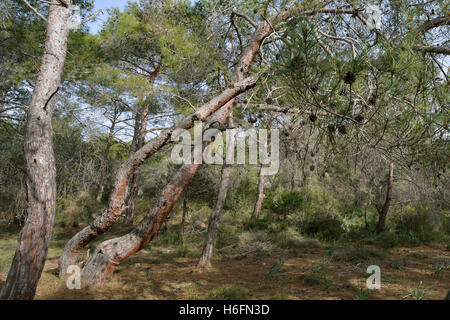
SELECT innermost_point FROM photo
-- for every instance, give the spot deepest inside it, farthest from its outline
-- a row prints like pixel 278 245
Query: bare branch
pixel 433 23
pixel 244 16
pixel 92 16
pixel 34 10
pixel 433 49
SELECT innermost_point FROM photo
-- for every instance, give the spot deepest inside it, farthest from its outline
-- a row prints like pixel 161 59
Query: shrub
pixel 171 238
pixel 322 225
pixel 385 240
pixel 75 210
pixel 254 242
pixel 415 226
pixel 226 236
pixel 287 203
pixel 252 224
pixel 290 238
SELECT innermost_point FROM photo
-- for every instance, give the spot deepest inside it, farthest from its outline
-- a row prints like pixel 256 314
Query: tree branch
pixel 433 49
pixel 34 10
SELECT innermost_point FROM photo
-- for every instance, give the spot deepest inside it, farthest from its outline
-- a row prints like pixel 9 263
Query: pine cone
pixel 349 77
pixel 359 118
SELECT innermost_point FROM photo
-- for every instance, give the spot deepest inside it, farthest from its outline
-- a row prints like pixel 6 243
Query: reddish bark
pixel 32 246
pixel 111 215
pixel 116 204
pixel 108 255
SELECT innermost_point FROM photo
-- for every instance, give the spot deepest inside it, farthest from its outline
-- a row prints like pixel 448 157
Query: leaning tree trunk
pixel 116 204
pixel 108 254
pixel 32 246
pixel 260 196
pixel 111 215
pixel 383 211
pixel 214 220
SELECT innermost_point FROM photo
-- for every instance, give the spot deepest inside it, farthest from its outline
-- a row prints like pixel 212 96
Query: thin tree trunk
pixel 141 134
pixel 293 174
pixel 137 144
pixel 260 196
pixel 214 220
pixel 104 165
pixel 32 246
pixel 183 218
pixel 131 213
pixel 382 212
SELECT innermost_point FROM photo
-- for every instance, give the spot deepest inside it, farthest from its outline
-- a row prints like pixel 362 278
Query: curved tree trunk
pixel 214 220
pixel 222 102
pixel 383 211
pixel 108 255
pixel 260 196
pixel 32 246
pixel 120 190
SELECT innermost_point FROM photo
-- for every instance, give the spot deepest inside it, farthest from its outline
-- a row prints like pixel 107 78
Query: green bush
pixel 323 226
pixel 414 225
pixel 226 236
pixel 254 225
pixel 287 203
pixel 171 238
pixel 75 210
pixel 290 238
pixel 385 240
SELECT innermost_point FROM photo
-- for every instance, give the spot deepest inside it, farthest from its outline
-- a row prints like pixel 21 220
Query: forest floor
pixel 168 272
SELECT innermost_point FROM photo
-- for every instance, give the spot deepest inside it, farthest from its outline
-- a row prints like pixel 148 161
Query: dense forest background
pixel 362 109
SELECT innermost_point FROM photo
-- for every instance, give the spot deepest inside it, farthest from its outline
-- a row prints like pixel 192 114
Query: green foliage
pixel 323 226
pixel 255 224
pixel 385 240
pixel 419 293
pixel 287 203
pixel 229 292
pixel 71 212
pixel 415 226
pixel 319 276
pixel 363 292
pixel 439 267
pixel 275 269
pixel 290 238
